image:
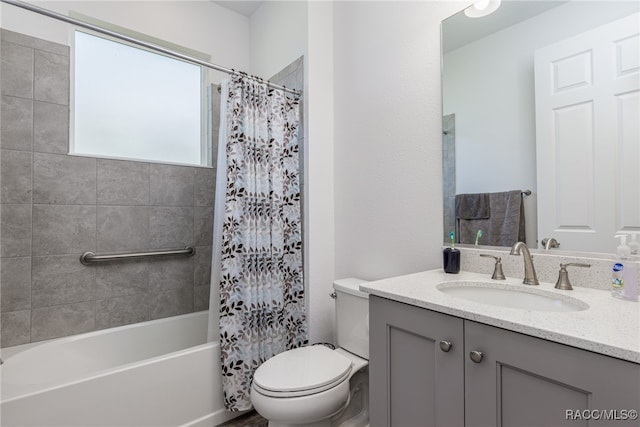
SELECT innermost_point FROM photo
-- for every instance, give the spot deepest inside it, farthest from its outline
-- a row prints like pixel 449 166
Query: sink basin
pixel 511 296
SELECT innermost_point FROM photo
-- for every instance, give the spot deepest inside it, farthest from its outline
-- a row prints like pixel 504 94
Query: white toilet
pixel 315 386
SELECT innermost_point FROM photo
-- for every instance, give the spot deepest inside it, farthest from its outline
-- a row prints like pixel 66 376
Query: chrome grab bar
pixel 90 257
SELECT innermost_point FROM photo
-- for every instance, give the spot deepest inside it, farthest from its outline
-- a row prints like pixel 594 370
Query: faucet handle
pixel 497 270
pixel 563 275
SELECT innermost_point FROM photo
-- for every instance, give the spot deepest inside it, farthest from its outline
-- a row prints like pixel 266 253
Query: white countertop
pixel 609 326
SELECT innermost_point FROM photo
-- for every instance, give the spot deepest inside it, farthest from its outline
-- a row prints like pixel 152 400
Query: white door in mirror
pixel 587 91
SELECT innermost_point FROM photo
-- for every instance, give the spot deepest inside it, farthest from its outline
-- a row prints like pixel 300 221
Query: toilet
pixel 316 386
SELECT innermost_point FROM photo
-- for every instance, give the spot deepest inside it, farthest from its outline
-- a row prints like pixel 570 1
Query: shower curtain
pixel 257 252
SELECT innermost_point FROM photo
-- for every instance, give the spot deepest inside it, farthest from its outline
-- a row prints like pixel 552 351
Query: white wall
pixel 200 25
pixel 278 36
pixel 319 158
pixel 388 166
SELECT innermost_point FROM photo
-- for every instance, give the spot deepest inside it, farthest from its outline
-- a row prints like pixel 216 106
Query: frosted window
pixel 132 103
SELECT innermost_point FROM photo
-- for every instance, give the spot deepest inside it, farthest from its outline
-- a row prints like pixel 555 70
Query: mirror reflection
pixel 540 104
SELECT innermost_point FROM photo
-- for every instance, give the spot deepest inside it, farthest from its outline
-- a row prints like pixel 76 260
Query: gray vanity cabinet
pixel 413 381
pixel 515 380
pixel 527 381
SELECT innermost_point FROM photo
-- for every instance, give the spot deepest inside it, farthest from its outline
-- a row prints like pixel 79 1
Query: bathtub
pixel 157 373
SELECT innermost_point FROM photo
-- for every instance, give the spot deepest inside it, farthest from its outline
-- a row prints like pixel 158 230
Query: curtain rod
pixel 79 23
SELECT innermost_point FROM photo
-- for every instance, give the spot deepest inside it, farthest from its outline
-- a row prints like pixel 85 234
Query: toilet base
pixel 345 405
pixel 301 410
pixel 356 414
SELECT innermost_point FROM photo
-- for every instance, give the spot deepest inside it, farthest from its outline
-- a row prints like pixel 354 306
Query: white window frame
pixel 205 134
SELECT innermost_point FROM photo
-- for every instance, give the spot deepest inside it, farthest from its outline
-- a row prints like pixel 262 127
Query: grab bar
pixel 90 257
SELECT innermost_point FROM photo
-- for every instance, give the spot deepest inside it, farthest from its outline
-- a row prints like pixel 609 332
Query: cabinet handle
pixel 445 346
pixel 476 356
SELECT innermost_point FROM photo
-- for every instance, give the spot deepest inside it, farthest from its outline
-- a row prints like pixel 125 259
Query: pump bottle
pixel 624 279
pixel 633 244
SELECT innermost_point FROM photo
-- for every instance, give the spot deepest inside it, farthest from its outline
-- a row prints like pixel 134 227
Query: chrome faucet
pixel 530 277
pixel 550 242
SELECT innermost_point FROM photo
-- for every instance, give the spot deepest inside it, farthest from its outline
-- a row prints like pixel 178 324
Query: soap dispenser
pixel 624 279
pixel 633 244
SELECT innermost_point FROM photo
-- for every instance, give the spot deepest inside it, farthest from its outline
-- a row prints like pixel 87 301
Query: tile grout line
pixel 95 303
pixel 194 239
pixel 147 309
pixel 33 138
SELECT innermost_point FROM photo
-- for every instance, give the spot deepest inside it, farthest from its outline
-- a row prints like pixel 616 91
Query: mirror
pixel 490 127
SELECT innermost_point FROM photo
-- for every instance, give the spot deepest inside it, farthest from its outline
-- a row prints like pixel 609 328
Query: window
pixel 135 104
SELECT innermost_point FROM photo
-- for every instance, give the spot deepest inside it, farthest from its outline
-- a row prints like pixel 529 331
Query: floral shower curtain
pixel 259 257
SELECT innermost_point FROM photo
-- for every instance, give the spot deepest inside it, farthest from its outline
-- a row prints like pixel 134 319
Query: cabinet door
pixel 412 381
pixel 526 381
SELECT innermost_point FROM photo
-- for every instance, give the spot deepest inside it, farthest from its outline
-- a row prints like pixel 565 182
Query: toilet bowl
pixel 316 386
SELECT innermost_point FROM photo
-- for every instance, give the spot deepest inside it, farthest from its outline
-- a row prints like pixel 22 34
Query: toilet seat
pixel 302 371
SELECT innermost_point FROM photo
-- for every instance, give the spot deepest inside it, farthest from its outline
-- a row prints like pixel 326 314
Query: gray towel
pixel 472 206
pixel 505 225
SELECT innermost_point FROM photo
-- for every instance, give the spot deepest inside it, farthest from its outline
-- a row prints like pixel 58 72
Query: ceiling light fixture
pixel 482 8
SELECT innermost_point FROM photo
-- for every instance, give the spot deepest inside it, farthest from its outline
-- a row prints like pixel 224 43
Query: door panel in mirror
pixel 488 83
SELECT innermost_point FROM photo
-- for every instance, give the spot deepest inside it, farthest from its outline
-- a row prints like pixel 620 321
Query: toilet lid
pixel 304 369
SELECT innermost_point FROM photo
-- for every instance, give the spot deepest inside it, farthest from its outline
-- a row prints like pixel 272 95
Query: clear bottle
pixel 624 279
pixel 633 244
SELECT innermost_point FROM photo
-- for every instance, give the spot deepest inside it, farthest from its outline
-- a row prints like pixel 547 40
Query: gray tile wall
pixel 449 175
pixel 54 206
pixel 292 76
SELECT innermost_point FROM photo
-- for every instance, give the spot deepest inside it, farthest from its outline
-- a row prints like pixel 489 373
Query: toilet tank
pixel 352 317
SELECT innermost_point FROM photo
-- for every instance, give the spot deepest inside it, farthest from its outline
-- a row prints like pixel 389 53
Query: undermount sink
pixel 511 296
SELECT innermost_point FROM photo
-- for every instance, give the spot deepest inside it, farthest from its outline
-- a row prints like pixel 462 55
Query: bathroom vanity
pixel 440 359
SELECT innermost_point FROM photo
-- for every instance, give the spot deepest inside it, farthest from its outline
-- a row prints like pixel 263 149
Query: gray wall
pixel 292 76
pixel 449 175
pixel 55 206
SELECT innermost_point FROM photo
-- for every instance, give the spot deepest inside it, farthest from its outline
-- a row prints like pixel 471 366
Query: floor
pixel 251 419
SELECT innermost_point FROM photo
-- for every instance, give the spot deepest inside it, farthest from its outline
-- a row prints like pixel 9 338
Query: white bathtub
pixel 155 374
